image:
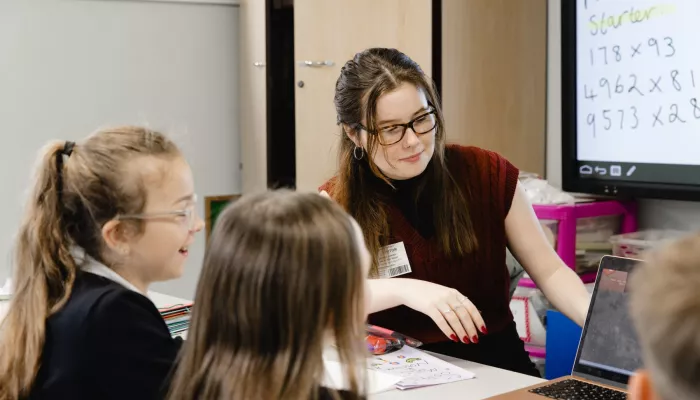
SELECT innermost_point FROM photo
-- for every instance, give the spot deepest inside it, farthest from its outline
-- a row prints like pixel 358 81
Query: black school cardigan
pixel 107 342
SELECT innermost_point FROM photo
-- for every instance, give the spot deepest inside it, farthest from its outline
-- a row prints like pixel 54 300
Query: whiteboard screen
pixel 635 84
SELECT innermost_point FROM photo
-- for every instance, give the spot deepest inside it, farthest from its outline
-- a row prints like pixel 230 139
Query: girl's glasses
pixel 389 135
pixel 188 215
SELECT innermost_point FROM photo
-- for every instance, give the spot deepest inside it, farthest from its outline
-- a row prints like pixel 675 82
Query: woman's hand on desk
pixel 453 313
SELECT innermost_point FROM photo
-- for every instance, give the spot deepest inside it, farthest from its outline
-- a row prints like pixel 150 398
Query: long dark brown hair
pixel 363 80
pixel 72 198
pixel 281 274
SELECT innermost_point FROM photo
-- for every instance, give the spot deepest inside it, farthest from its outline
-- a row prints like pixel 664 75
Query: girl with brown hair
pixel 439 216
pixel 107 217
pixel 283 277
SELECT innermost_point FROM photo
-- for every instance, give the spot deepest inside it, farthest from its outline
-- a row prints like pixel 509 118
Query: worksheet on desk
pixel 377 381
pixel 418 368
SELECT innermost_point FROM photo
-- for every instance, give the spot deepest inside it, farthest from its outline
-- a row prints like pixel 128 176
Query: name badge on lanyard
pixel 392 261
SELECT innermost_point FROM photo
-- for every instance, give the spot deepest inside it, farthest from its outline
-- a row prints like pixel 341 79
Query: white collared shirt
pixel 88 264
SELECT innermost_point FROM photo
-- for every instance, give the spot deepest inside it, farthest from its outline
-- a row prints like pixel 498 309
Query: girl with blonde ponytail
pixel 106 218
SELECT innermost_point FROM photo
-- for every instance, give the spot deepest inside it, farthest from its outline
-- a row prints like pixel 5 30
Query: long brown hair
pixel 281 273
pixel 363 80
pixel 76 191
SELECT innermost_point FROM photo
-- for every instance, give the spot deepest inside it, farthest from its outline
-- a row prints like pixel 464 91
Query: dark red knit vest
pixel 482 276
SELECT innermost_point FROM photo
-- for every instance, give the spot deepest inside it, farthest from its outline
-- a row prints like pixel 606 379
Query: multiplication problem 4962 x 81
pixel 632 85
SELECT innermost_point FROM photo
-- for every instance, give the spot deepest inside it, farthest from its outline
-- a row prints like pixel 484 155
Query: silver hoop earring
pixel 354 153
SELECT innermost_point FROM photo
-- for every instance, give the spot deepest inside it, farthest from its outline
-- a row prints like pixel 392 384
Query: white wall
pixel 652 213
pixel 68 67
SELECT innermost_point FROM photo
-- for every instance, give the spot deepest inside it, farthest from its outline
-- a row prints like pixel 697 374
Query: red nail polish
pixel 466 340
pixel 475 339
pixel 484 330
pixel 454 338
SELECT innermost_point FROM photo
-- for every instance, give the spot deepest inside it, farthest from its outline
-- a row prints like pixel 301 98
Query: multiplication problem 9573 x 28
pixel 632 118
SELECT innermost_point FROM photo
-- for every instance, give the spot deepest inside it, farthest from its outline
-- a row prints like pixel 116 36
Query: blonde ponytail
pixel 44 275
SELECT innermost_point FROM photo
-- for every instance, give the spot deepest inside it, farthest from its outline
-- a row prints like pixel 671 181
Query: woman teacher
pixel 439 218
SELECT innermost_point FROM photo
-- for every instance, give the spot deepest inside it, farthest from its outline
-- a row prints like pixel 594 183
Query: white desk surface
pixel 164 300
pixel 489 381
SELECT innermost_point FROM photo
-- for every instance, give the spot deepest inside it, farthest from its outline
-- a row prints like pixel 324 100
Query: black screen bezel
pixel 571 180
pixel 611 263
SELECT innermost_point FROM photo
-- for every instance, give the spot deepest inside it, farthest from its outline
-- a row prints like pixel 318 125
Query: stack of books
pixel 177 318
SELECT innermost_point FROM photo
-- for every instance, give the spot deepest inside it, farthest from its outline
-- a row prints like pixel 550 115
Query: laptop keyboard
pixel 572 389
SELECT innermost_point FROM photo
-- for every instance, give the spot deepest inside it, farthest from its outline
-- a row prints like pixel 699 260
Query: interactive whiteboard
pixel 631 81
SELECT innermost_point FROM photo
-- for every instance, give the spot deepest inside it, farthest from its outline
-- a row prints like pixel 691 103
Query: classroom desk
pixel 489 381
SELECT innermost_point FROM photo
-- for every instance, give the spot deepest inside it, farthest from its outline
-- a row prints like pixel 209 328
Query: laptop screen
pixel 609 348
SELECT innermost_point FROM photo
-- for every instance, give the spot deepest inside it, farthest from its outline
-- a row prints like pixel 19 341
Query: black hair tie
pixel 66 151
pixel 68 148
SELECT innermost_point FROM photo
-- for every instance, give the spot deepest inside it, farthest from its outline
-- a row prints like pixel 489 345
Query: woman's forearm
pixel 535 253
pixel 566 292
pixel 385 293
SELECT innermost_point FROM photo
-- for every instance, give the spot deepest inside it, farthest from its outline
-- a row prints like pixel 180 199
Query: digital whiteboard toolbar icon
pixel 615 170
pixel 631 170
pixel 585 170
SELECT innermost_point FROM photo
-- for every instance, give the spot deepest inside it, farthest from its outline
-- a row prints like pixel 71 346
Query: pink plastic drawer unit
pixel 565 216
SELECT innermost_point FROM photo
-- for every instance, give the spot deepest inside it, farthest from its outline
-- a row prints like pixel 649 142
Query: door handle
pixel 316 64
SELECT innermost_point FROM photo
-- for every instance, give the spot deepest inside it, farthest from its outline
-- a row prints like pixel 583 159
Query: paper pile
pixel 417 368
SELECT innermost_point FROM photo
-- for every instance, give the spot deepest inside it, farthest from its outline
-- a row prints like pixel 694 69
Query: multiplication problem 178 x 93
pixel 652 47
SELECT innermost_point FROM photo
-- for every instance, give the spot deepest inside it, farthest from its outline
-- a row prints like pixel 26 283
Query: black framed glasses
pixel 392 134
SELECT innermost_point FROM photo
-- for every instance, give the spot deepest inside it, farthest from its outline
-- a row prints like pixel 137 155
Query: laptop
pixel 608 351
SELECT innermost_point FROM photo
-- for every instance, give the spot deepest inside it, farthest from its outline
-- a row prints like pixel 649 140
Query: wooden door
pixel 494 55
pixel 253 96
pixel 327 33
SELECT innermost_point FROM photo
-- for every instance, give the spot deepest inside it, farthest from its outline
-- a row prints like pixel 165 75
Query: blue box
pixel 563 336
